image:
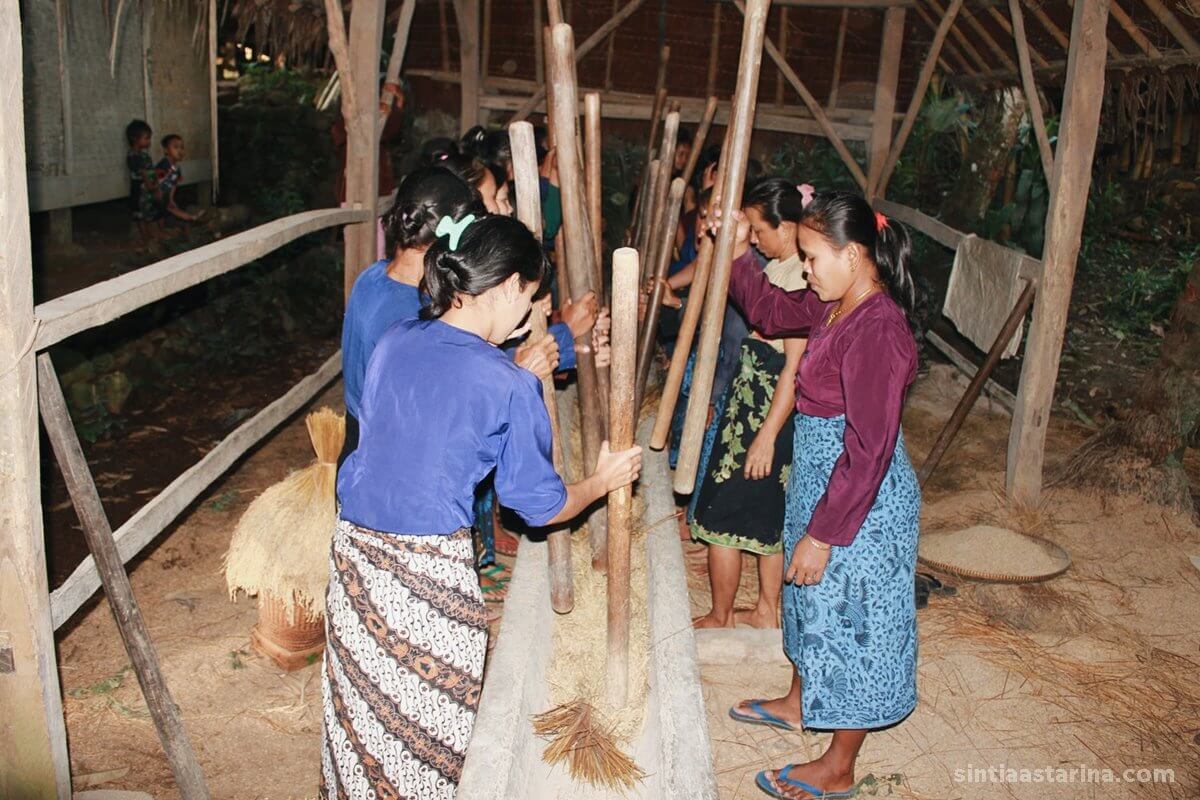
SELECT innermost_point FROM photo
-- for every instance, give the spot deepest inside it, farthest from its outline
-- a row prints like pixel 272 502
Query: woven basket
pixel 1059 554
pixel 292 640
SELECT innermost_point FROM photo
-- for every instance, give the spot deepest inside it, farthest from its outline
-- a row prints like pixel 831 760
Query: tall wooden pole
pixel 644 208
pixel 578 252
pixel 738 152
pixel 662 186
pixel 1083 95
pixel 33 752
pixel 608 55
pixel 714 51
pixel 529 211
pixel 593 166
pixel 783 51
pixel 467 14
pixel 621 429
pixel 539 47
pixel 1031 90
pixel 706 120
pixel 885 96
pixel 662 252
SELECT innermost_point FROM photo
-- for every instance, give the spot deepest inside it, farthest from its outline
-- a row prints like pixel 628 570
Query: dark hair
pixel 434 151
pixel 489 251
pixel 469 169
pixel 170 137
pixel 135 130
pixel 492 148
pixel 709 155
pixel 845 218
pixel 777 199
pixel 424 197
pixel 683 137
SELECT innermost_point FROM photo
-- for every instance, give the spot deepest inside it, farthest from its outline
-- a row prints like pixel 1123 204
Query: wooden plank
pixel 152 518
pixel 933 228
pixel 838 50
pixel 466 12
pixel 575 235
pixel 714 51
pixel 918 97
pixel 213 137
pixel 529 211
pixel 588 45
pixel 737 148
pixel 1172 23
pixel 1003 397
pixel 168 721
pixel 30 695
pixel 103 302
pixel 658 272
pixel 1031 89
pixel 885 95
pixel 1126 22
pixel 814 108
pixel 1064 225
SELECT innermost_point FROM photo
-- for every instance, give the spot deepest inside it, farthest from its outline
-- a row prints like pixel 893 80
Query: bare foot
pixel 710 620
pixel 785 708
pixel 756 617
pixel 685 530
pixel 816 774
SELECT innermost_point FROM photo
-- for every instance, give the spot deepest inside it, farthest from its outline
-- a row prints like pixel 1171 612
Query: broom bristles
pixel 327 429
pixel 589 750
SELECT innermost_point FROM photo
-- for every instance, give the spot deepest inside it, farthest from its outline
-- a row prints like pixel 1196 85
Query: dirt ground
pixel 1100 667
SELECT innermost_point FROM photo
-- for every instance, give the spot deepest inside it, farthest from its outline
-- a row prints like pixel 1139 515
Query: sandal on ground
pixel 763 717
pixel 494 590
pixel 764 783
pixel 499 573
pixel 505 543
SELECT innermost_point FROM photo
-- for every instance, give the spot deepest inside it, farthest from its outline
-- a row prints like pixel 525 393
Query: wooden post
pixel 539 48
pixel 443 34
pixel 738 147
pixel 644 207
pixel 213 141
pixel 658 211
pixel 554 9
pixel 660 106
pixel 621 427
pixel 595 190
pixel 128 616
pixel 467 14
pixel 608 56
pixel 485 57
pixel 783 51
pixel 814 108
pixel 673 383
pixel 839 48
pixel 714 51
pixel 885 96
pixel 529 211
pixel 914 106
pixel 578 252
pixel 1031 89
pixel 387 96
pixel 33 753
pixel 1083 95
pixel 662 254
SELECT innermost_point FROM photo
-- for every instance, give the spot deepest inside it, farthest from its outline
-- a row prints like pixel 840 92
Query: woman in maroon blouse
pixel 849 616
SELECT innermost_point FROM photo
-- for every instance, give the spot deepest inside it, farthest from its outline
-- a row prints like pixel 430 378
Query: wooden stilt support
pixel 738 153
pixel 575 229
pixel 952 426
pixel 128 616
pixel 593 167
pixel 621 430
pixel 662 254
pixel 529 210
pixel 1083 95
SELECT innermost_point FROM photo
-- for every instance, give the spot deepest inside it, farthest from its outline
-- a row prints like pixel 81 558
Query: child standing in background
pixel 169 174
pixel 142 182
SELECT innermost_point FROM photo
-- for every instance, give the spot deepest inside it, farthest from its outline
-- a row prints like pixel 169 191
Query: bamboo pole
pixel 595 190
pixel 662 255
pixel 578 253
pixel 710 111
pixel 645 206
pixel 539 50
pixel 783 50
pixel 620 502
pixel 953 50
pixel 1056 32
pixel 657 212
pixel 444 35
pixel 554 12
pixel 608 55
pixel 962 40
pixel 839 48
pixel 529 211
pixel 1172 24
pixel 714 51
pixel 814 108
pixel 673 383
pixel 738 150
pixel 1031 89
pixel 918 97
pixel 988 40
pixel 387 95
pixel 1008 28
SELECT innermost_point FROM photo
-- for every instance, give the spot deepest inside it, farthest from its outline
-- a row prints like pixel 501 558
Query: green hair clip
pixel 448 227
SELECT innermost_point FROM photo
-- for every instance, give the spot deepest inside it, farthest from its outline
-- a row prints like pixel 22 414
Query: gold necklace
pixel 837 312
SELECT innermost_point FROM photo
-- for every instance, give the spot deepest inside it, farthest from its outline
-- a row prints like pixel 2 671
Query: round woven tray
pixel 1061 557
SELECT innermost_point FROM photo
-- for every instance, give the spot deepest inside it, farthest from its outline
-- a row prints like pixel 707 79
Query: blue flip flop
pixel 819 794
pixel 764 717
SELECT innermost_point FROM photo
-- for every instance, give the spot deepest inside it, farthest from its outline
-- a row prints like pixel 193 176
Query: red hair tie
pixel 881 222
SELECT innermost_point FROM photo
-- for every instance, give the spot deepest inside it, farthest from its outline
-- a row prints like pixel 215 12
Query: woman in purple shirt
pixel 441 408
pixel 849 616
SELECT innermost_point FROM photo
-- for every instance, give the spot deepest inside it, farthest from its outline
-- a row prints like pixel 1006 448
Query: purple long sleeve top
pixel 861 367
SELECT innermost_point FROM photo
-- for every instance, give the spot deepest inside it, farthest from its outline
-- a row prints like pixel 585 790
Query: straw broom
pixel 280 548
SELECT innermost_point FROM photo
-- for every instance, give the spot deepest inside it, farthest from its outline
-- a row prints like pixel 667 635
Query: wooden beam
pixel 387 95
pixel 62 30
pixel 839 48
pixel 485 56
pixel 885 95
pixel 1031 89
pixel 621 428
pixel 918 97
pixel 467 14
pixel 846 3
pixel 33 748
pixel 213 138
pixel 1059 68
pixel 103 302
pixel 1125 21
pixel 988 39
pixel 950 47
pixel 782 44
pixel 937 230
pixel 588 45
pixel 539 44
pixel 976 59
pixel 1041 16
pixel 168 721
pixel 737 150
pixel 814 108
pixel 1172 24
pixel 1003 22
pixel 153 518
pixel 609 51
pixel 444 34
pixel 1072 177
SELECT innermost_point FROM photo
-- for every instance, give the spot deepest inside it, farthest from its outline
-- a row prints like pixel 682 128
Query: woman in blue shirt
pixel 441 408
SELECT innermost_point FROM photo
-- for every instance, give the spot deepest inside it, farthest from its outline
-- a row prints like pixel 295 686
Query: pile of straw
pixel 588 747
pixel 280 547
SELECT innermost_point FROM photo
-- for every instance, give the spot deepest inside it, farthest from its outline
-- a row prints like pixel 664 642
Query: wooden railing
pixel 103 302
